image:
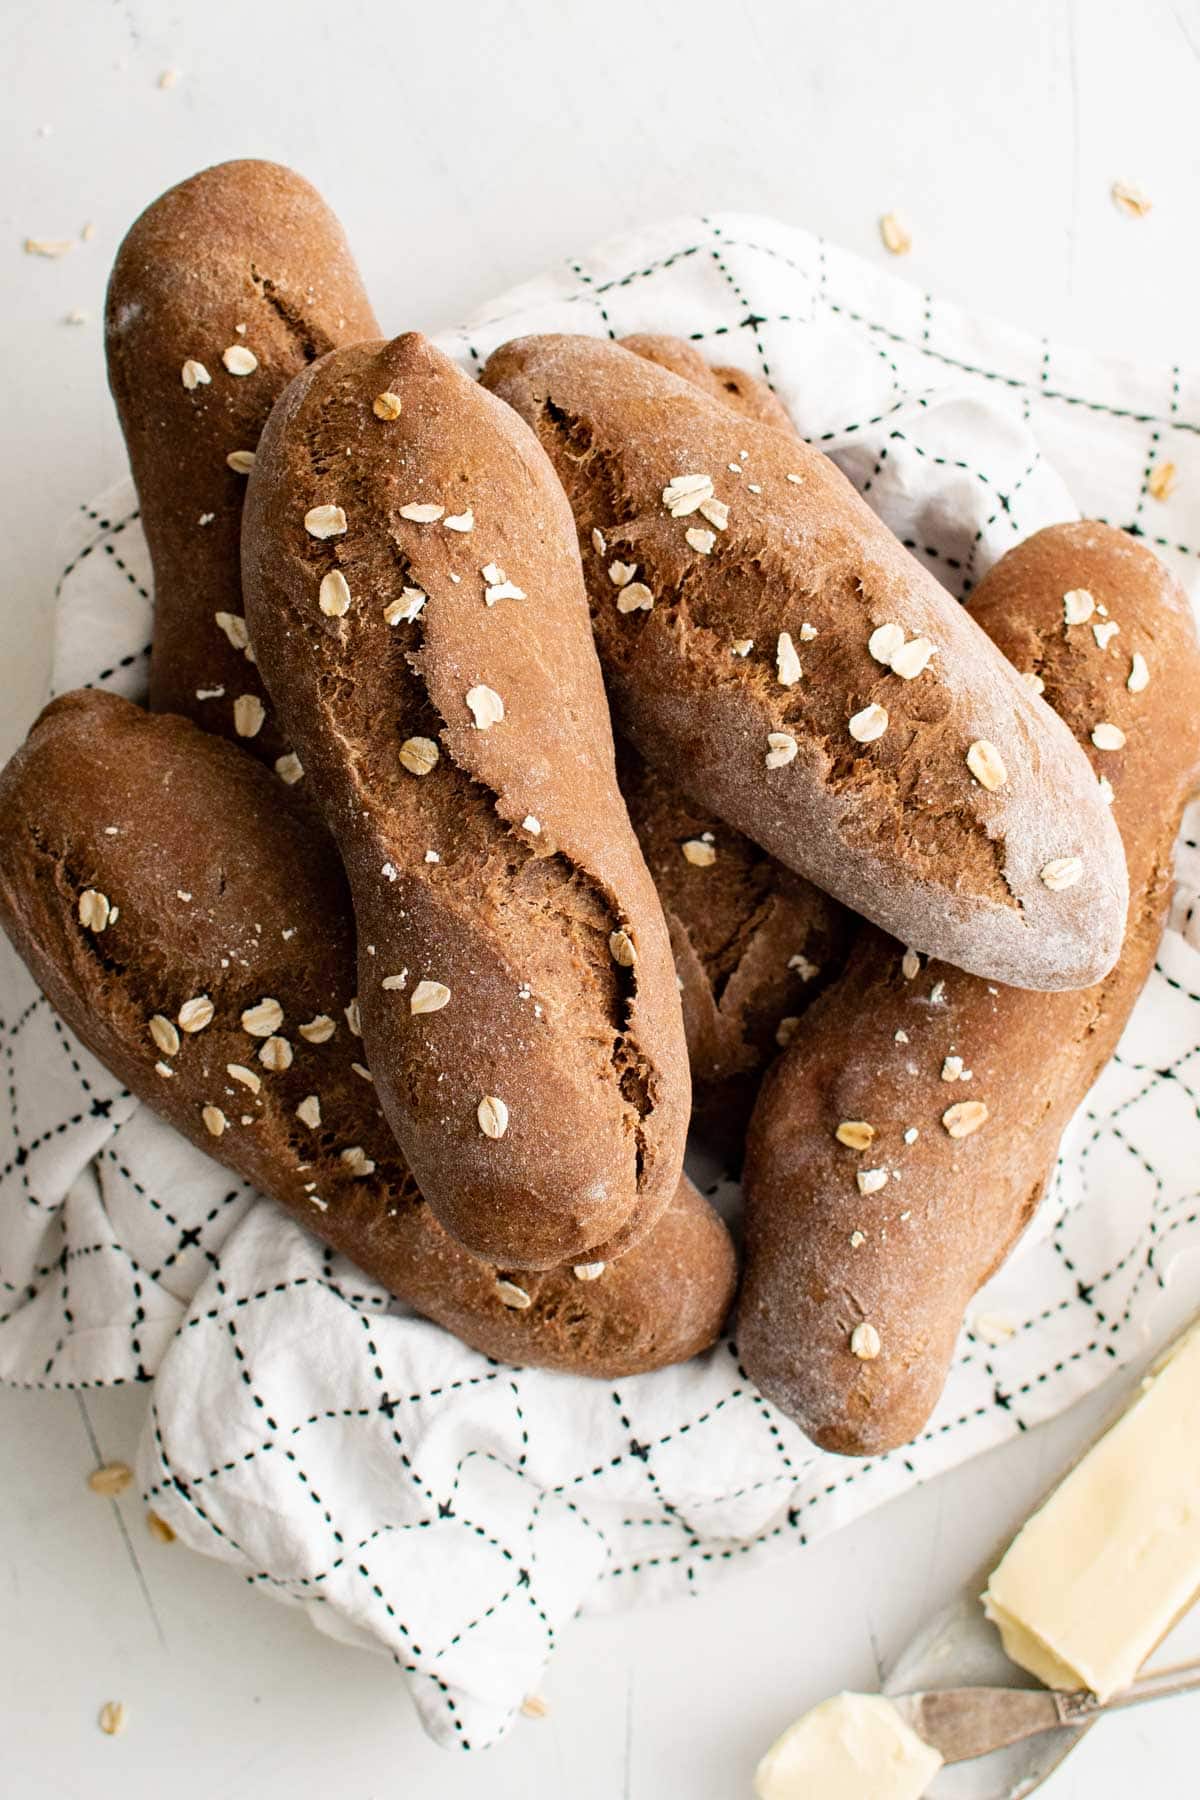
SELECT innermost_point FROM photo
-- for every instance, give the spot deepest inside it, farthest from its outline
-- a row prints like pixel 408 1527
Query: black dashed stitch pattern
pixel 578 269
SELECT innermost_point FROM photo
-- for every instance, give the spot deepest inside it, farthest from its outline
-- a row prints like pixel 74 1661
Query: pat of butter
pixel 845 1749
pixel 1102 1572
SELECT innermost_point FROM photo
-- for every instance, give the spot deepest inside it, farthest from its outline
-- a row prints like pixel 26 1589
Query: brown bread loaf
pixel 769 644
pixel 222 290
pixel 852 1300
pixel 191 924
pixel 413 590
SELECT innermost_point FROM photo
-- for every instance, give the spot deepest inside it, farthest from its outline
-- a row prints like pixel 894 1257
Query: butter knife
pixel 966 1722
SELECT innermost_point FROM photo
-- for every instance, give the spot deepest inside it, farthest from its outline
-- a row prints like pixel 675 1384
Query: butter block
pixel 1100 1574
pixel 848 1747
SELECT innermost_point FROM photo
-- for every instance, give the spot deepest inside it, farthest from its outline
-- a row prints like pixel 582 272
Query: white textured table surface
pixel 464 147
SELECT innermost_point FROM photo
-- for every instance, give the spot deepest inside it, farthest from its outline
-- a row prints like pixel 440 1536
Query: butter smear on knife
pixel 845 1749
pixel 1101 1573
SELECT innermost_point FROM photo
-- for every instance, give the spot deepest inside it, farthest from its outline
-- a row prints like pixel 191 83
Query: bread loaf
pixel 903 1142
pixel 191 924
pixel 771 646
pixel 413 590
pixel 222 290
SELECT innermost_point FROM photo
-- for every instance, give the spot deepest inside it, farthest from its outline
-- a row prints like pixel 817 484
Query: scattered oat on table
pixel 895 234
pixel 49 247
pixel 113 1718
pixel 110 1479
pixel 1130 199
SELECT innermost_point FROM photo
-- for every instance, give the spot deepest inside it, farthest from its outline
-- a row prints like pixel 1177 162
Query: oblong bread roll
pixel 903 1142
pixel 844 740
pixel 414 596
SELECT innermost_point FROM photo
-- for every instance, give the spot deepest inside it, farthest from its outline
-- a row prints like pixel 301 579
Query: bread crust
pixel 225 888
pixel 746 394
pixel 506 871
pixel 243 257
pixel 895 826
pixel 874 1048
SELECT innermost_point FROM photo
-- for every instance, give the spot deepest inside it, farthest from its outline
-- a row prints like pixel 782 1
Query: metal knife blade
pixel 965 1722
